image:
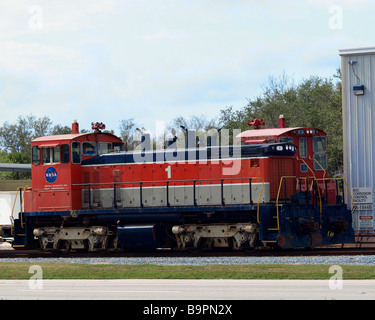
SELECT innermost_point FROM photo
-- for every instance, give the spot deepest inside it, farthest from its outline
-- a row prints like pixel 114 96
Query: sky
pixel 154 60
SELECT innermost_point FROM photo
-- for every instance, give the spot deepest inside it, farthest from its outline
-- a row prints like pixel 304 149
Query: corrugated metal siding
pixel 359 123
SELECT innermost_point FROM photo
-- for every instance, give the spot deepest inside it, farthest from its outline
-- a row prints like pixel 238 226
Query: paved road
pixel 185 290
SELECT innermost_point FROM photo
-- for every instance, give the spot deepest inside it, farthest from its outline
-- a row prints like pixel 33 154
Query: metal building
pixel 358 95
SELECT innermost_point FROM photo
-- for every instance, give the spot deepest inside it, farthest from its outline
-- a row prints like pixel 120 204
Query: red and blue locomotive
pixel 270 188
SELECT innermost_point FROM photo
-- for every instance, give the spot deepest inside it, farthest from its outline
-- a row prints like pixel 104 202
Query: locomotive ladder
pixel 19 237
pixel 313 186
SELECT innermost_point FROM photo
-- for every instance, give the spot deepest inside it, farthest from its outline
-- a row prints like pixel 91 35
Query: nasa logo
pixel 51 175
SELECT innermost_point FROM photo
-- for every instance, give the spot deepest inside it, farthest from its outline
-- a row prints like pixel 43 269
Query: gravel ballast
pixel 199 261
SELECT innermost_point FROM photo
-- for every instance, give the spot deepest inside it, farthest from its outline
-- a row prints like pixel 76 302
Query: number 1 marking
pixel 169 171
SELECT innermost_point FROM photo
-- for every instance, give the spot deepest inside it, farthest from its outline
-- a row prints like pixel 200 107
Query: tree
pixel 179 125
pixel 15 140
pixel 59 129
pixel 194 123
pixel 128 133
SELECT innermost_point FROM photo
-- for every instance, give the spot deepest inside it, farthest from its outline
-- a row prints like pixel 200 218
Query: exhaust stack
pixel 282 121
pixel 75 127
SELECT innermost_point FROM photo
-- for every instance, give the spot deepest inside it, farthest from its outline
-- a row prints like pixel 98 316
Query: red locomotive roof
pixel 265 132
pixel 59 137
pixel 262 134
pixel 48 140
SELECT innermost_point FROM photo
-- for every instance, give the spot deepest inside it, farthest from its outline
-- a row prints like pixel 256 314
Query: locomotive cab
pixel 311 158
pixel 56 167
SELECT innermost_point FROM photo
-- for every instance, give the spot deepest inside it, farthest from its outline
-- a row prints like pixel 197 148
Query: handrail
pixel 277 198
pixel 320 199
pixel 19 190
pixel 298 158
pixel 347 187
pixel 167 185
pixel 325 170
pixel 260 194
pixel 314 179
pixel 161 181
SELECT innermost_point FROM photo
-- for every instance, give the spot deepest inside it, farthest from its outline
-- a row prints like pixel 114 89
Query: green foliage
pixel 15 140
pixel 314 102
pixel 128 133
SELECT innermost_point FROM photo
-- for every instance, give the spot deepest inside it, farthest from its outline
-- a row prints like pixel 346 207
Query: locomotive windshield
pixel 107 147
pixel 90 148
pixel 320 155
pixel 286 139
pixel 320 144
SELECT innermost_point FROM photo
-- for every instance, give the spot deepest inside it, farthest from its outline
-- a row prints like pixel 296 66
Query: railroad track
pixel 169 253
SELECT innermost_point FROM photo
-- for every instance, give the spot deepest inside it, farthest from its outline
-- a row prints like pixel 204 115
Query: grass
pixel 17 270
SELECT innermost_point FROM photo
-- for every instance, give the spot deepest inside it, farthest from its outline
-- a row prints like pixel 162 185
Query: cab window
pixel 89 148
pixel 320 144
pixel 104 147
pixel 36 155
pixel 303 147
pixel 286 139
pixel 56 155
pixel 118 147
pixel 320 155
pixel 65 153
pixel 46 155
pixel 76 152
pixel 51 155
pixel 320 161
